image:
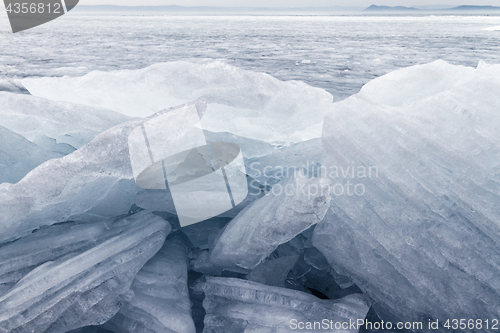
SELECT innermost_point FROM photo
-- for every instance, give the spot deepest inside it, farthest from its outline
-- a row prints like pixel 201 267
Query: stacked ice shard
pixel 85 285
pixel 407 213
pixel 422 238
pixel 161 298
pixel 235 305
pixel 92 183
pixel 294 205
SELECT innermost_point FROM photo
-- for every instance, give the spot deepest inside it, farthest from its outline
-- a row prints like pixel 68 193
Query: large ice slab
pixel 238 306
pixel 161 297
pixel 95 182
pixel 249 104
pixel 42 121
pixel 292 206
pixel 51 129
pixel 415 83
pixel 421 235
pixel 83 287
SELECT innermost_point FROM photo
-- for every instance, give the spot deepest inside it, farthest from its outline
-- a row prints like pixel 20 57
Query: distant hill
pixel 375 8
pixel 476 8
pixel 434 7
pixel 389 9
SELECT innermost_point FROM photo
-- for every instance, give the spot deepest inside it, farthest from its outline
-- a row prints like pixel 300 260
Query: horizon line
pixel 372 9
pixel 421 7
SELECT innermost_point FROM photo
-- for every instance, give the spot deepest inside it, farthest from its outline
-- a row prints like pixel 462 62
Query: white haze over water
pixel 336 53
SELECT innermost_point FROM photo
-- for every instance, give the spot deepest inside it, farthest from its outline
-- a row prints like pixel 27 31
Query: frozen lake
pixel 405 221
pixel 336 53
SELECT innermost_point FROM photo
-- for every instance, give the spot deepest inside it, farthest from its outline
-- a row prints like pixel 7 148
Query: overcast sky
pixel 287 3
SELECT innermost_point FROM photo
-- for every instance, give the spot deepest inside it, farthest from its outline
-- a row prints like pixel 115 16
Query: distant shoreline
pixel 373 10
pixel 370 11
